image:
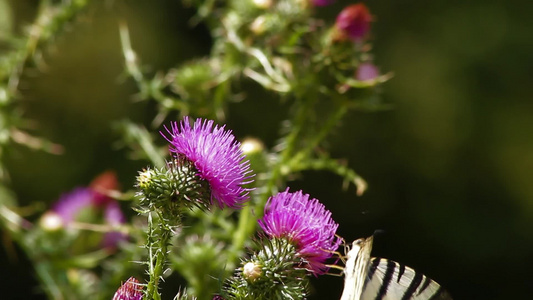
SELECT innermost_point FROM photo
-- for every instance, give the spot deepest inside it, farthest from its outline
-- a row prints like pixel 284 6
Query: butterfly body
pixel 374 278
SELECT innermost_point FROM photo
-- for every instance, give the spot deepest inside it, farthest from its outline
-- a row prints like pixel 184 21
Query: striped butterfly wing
pixel 356 268
pixel 382 279
pixel 389 280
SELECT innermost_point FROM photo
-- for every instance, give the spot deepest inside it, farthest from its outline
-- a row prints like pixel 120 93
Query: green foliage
pixel 141 143
pixel 25 52
pixel 199 259
pixel 51 20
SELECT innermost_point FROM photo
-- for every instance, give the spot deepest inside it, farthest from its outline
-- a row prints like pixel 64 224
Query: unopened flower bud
pixel 251 271
pixel 144 178
pixel 252 146
pixel 353 22
pixel 258 26
pixel 172 188
pixel 51 221
pixel 104 185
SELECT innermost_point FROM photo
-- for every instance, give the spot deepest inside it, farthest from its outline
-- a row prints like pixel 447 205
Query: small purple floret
pixel 366 71
pixel 307 223
pixel 217 156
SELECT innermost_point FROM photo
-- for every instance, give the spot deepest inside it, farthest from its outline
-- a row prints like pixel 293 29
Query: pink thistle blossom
pixel 305 223
pixel 130 290
pixel 216 155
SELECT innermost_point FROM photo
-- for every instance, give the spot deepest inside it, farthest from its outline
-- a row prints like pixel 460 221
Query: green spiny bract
pixel 277 273
pixel 172 188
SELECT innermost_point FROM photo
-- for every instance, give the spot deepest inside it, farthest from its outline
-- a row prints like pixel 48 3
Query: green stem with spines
pixel 159 239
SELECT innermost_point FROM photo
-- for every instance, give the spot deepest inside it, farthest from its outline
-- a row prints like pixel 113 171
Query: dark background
pixel 449 167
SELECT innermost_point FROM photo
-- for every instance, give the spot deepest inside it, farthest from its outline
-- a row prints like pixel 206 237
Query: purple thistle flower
pixel 71 204
pixel 130 290
pixel 304 222
pixel 217 156
pixel 82 203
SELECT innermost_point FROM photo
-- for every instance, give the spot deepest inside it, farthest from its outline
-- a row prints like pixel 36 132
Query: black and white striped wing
pixel 356 268
pixel 389 280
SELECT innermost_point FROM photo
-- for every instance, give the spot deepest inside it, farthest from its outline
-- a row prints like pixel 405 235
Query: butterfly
pixel 374 278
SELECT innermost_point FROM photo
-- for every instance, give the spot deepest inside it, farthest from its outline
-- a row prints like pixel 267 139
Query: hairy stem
pixel 158 241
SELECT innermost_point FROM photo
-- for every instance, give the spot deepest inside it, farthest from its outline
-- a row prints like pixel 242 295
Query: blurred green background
pixel 449 167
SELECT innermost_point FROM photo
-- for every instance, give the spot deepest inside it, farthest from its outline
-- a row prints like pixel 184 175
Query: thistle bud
pixel 51 222
pixel 145 178
pixel 173 187
pixel 252 146
pixel 258 25
pixel 353 23
pixel 276 261
pixel 251 271
pixel 103 186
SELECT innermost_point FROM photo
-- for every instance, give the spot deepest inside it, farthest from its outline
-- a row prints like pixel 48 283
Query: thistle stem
pixel 158 241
